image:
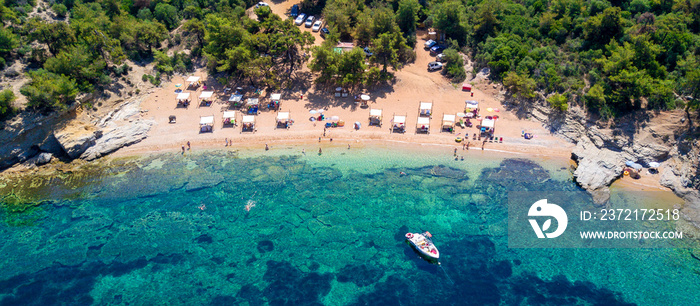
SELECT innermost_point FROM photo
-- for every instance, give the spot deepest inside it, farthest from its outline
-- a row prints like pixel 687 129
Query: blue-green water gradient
pixel 174 230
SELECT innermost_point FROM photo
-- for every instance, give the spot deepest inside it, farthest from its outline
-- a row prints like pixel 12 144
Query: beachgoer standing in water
pixel 469 142
pixel 320 151
pixel 226 143
pixel 267 148
pixel 455 151
pixel 303 151
pixel 188 146
pixel 183 149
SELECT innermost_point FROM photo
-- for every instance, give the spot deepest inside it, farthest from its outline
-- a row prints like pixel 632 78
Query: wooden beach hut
pixel 206 124
pixel 235 100
pixel 375 117
pixel 248 124
pixel 252 106
pixel 398 124
pixel 229 118
pixel 274 101
pixel 487 126
pixel 470 106
pixel 283 120
pixel 205 98
pixel 423 125
pixel 193 81
pixel 448 123
pixel 183 99
pixel 426 109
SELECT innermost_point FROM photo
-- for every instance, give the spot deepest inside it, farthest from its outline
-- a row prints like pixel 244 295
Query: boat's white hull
pixel 423 246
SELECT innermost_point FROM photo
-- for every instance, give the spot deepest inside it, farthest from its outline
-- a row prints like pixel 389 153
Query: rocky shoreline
pixel 601 151
pixel 33 139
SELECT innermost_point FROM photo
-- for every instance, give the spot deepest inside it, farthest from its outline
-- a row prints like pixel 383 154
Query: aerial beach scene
pixel 350 153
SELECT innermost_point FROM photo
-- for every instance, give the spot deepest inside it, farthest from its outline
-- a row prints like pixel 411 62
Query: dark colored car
pixel 436 50
pixel 325 32
pixel 295 11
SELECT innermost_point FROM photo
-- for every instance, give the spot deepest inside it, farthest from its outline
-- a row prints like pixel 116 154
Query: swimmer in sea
pixel 402 173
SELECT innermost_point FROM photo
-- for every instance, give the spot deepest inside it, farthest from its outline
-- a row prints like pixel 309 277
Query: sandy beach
pixel 413 84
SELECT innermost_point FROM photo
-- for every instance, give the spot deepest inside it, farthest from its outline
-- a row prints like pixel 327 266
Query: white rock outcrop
pixel 119 128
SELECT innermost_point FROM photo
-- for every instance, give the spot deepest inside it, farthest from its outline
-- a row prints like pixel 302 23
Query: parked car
pixel 429 44
pixel 432 66
pixel 317 26
pixel 295 11
pixel 368 53
pixel 436 50
pixel 325 32
pixel 309 21
pixel 300 19
pixel 441 57
pixel 261 4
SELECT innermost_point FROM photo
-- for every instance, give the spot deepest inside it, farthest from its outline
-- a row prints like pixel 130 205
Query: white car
pixel 317 26
pixel 261 4
pixel 432 66
pixel 309 21
pixel 300 19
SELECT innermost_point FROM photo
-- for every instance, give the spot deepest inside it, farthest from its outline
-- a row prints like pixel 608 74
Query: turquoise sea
pixel 326 229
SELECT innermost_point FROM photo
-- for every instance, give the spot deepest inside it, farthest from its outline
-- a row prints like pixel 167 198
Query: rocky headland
pixel 670 138
pixel 35 139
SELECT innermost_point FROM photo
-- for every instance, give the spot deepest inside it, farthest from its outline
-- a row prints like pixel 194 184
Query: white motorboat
pixel 423 244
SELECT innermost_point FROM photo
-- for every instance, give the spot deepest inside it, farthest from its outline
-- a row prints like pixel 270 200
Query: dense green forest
pixel 612 57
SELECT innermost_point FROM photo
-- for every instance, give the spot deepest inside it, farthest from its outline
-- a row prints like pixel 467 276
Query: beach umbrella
pixel 629 163
pixel 313 111
pixel 321 111
pixel 496 110
pixel 461 115
pixel 364 97
pixel 178 85
pixel 654 165
pixel 489 109
pixel 335 118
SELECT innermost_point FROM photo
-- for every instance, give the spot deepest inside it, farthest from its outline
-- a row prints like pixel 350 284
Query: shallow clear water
pixel 319 230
